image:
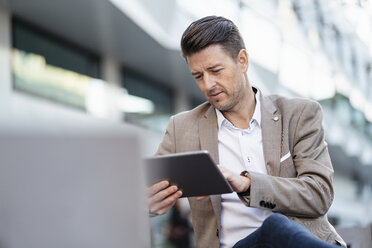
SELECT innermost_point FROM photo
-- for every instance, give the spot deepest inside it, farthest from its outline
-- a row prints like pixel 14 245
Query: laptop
pixel 71 189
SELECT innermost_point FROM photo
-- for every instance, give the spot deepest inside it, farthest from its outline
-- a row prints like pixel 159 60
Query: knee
pixel 280 225
pixel 275 219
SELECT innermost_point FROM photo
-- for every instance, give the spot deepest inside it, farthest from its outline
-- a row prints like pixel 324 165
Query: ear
pixel 243 60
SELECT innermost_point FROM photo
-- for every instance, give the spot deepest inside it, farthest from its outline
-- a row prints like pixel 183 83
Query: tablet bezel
pixel 195 173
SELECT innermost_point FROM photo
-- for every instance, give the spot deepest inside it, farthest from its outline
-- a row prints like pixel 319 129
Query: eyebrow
pixel 209 68
pixel 213 67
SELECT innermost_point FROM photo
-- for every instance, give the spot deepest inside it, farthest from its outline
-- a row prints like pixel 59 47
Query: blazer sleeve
pixel 310 193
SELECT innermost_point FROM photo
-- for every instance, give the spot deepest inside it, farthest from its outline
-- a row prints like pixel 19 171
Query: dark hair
pixel 211 30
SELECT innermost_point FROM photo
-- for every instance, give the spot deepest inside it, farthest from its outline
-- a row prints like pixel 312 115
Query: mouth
pixel 216 94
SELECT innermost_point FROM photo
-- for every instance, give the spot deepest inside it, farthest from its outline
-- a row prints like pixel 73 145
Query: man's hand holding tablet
pixel 161 197
pixel 182 175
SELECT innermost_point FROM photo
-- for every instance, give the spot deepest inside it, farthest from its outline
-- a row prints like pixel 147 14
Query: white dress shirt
pixel 239 150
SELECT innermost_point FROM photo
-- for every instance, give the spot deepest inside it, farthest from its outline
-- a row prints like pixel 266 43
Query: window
pixel 46 66
pixel 161 96
pixel 342 108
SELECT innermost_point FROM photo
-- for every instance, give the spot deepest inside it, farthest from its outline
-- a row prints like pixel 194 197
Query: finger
pixel 164 205
pixel 166 208
pixel 157 187
pixel 199 198
pixel 221 167
pixel 162 194
pixel 224 171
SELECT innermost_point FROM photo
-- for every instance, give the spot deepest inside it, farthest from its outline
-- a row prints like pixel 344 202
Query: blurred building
pixel 120 60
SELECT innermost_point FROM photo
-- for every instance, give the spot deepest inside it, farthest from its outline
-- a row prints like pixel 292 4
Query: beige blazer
pixel 299 180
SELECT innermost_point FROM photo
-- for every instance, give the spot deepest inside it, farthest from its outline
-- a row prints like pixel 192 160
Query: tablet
pixel 195 173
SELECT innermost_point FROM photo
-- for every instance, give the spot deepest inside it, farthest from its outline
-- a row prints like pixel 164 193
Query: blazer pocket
pixel 287 168
pixel 285 157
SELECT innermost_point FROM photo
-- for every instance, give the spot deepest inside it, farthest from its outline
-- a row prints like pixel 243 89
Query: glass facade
pixel 160 95
pixel 56 51
pixel 46 66
pixel 348 115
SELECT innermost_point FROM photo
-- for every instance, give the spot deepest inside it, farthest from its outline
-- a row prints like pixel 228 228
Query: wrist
pixel 247 188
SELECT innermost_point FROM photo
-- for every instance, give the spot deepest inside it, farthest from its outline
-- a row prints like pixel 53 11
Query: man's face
pixel 219 77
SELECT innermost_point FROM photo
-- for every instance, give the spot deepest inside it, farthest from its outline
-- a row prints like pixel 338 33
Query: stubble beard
pixel 231 101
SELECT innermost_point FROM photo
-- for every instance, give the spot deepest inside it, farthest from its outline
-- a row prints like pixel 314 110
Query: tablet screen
pixel 195 173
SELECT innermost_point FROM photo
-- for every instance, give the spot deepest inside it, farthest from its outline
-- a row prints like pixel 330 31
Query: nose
pixel 209 82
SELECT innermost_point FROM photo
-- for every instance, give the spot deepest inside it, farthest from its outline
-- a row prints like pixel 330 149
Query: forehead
pixel 209 56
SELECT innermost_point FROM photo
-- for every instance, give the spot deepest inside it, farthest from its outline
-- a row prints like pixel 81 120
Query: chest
pixel 241 150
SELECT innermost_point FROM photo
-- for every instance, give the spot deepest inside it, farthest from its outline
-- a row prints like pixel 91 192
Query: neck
pixel 242 114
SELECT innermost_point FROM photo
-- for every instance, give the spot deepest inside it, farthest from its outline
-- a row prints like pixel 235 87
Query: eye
pixel 217 71
pixel 199 76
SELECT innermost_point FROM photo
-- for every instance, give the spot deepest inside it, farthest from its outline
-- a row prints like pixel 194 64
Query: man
pixel 271 149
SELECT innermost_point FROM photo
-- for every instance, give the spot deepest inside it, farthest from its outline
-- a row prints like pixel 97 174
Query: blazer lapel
pixel 209 141
pixel 208 133
pixel 271 135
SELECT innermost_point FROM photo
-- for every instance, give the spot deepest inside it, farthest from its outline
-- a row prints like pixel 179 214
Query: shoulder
pixel 192 114
pixel 294 104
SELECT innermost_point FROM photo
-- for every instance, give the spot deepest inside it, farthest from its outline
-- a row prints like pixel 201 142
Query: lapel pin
pixel 275 118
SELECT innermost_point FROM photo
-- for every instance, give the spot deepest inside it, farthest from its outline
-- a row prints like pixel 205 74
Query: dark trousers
pixel 279 231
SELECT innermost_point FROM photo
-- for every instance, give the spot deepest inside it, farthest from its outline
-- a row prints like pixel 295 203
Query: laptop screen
pixel 74 189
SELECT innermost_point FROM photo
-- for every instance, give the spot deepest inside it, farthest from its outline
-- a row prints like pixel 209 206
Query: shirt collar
pixel 221 120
